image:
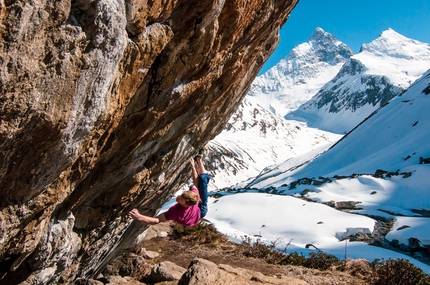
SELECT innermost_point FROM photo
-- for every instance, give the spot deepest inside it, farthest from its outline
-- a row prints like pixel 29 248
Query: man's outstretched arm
pixel 194 173
pixel 134 214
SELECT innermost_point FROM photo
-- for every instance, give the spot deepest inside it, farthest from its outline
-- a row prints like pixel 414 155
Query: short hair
pixel 191 197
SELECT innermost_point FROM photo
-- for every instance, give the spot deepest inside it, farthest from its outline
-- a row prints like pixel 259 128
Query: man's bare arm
pixel 134 214
pixel 194 173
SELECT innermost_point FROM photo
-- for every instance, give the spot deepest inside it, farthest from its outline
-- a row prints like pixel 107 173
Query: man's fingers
pixel 132 213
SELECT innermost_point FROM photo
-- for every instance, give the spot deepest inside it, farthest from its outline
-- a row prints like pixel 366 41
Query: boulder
pixel 166 271
pixel 347 205
pixel 148 254
pixel 202 271
pixel 102 104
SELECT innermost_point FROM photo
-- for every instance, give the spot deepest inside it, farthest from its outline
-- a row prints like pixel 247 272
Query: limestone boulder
pixel 101 105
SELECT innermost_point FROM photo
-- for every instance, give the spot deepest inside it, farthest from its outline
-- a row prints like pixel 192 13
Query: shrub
pixel 294 259
pixel 272 255
pixel 399 271
pixel 202 233
pixel 321 260
pixel 317 260
pixel 360 268
pixel 267 252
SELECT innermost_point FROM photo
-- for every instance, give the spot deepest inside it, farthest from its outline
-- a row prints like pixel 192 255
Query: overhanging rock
pixel 102 103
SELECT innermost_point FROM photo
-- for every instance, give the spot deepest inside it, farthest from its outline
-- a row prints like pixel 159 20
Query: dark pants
pixel 203 181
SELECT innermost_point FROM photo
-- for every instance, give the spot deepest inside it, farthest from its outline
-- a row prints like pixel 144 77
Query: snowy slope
pixel 383 69
pixel 299 76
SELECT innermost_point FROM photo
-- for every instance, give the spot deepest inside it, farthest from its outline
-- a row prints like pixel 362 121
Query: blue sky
pixel 352 22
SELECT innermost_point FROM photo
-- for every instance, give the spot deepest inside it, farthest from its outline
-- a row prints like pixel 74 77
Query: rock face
pixel 102 103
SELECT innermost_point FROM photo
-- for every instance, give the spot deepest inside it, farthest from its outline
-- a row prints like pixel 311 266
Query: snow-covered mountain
pixel 368 80
pixel 381 70
pixel 254 139
pixel 393 138
pixel 299 76
pixel 380 170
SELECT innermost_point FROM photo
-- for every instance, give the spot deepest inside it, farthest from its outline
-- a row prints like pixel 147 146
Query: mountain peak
pixel 391 43
pixel 319 31
pixel 328 48
pixel 320 34
pixel 322 47
pixel 391 33
pixel 299 76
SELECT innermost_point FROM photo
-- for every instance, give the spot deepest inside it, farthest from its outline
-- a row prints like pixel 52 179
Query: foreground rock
pixel 102 103
pixel 202 271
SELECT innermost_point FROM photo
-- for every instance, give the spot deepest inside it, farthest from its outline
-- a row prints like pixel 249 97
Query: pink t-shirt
pixel 186 216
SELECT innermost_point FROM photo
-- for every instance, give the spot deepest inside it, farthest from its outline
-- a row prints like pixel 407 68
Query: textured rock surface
pixel 166 271
pixel 202 271
pixel 102 103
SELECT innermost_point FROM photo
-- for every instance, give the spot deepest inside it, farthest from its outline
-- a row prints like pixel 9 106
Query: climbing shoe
pixel 200 154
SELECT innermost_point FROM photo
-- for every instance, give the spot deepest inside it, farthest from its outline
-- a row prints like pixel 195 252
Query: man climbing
pixel 191 205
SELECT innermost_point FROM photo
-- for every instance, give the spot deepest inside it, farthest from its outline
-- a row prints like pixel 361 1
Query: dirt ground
pixel 181 252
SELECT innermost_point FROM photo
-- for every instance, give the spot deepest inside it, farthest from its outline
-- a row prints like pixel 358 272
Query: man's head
pixel 188 198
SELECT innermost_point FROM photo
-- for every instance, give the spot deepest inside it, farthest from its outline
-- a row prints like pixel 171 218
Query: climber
pixel 191 205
